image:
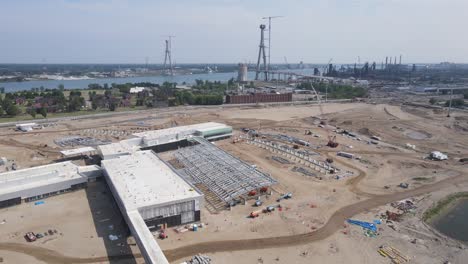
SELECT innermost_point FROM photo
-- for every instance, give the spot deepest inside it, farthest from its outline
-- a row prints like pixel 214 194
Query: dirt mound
pixel 367 132
pixel 347 123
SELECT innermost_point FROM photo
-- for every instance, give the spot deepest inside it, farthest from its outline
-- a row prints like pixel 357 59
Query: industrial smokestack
pixel 400 59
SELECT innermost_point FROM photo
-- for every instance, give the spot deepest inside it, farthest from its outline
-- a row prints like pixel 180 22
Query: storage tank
pixel 242 73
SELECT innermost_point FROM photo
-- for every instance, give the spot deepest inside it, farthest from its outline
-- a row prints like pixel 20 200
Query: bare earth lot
pixel 310 228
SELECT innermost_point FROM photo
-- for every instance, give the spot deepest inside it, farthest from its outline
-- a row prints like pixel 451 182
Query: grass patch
pixel 437 208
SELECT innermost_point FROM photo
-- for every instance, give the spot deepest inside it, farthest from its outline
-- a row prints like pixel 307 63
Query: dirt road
pixel 334 224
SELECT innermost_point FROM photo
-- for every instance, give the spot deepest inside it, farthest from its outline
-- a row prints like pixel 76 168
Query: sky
pixel 227 31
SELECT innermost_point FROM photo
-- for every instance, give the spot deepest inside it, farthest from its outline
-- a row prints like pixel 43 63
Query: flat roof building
pixel 164 139
pixel 175 134
pixel 148 191
pixel 43 181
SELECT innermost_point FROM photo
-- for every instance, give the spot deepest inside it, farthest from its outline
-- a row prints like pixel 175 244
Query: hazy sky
pixel 120 31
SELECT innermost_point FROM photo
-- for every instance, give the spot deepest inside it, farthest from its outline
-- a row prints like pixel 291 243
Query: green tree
pixel 10 108
pixel 61 87
pixel 43 112
pixel 2 90
pixel 32 112
pixel 75 103
pixel 112 105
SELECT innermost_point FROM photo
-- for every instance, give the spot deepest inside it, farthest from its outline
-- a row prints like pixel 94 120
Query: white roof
pixel 77 151
pixel 26 124
pixel 179 130
pixel 142 179
pixel 146 238
pixel 123 147
pixel 137 89
pixel 13 181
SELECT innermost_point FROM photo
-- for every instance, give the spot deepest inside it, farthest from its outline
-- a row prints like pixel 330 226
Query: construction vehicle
pixel 332 142
pixel 255 213
pixel 271 208
pixel 258 202
pixel 30 237
pixel 284 196
pixel 163 235
pixel 267 209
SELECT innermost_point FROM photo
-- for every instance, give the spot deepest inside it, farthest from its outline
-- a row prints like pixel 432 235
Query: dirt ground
pixel 309 227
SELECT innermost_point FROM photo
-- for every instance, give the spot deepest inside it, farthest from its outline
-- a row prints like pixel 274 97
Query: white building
pixel 163 139
pixel 135 90
pixel 210 130
pixel 40 182
pixel 151 196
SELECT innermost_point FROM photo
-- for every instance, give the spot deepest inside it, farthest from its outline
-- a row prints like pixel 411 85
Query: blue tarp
pixel 366 225
pixel 377 222
pixel 38 203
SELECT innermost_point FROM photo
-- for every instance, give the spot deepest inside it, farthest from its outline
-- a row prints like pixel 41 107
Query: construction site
pixel 264 183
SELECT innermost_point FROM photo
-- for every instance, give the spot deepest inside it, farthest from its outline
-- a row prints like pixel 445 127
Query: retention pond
pixel 453 221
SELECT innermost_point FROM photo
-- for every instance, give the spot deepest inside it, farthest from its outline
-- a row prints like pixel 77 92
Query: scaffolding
pixel 301 157
pixel 223 174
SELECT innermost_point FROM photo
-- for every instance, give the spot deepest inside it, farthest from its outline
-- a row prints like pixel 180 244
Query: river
pixel 81 84
pixel 454 223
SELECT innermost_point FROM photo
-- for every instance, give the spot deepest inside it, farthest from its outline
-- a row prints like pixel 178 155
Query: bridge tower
pixel 262 55
pixel 168 69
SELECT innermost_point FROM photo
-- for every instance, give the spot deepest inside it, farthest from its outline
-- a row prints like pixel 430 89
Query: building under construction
pixel 258 98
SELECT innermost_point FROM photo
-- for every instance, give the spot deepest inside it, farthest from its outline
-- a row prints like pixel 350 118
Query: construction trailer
pixel 43 181
pixel 346 155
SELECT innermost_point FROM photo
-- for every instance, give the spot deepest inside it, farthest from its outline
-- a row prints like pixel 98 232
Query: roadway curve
pixel 333 224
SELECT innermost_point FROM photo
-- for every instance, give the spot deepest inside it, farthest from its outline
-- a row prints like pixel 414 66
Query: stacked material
pixel 199 259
